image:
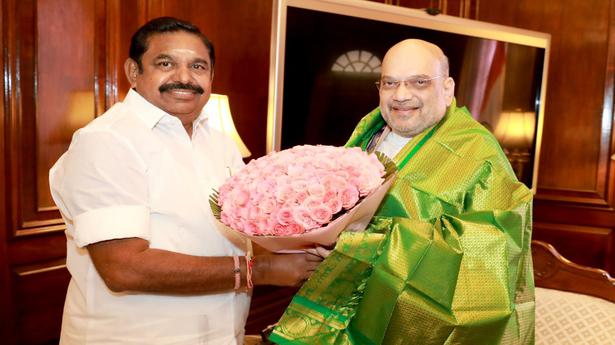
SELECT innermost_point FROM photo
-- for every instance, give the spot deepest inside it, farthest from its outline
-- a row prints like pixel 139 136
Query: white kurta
pixel 392 144
pixel 134 172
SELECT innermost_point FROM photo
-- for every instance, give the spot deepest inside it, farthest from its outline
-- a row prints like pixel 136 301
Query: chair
pixel 253 340
pixel 574 304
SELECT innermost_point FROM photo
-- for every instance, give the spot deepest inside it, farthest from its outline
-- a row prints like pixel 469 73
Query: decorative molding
pixel 113 45
pixel 7 326
pixel 28 133
pixel 584 243
pixel 607 110
pixel 50 266
pixel 39 230
pixel 571 196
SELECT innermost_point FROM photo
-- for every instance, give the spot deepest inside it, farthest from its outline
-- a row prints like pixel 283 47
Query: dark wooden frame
pixel 553 271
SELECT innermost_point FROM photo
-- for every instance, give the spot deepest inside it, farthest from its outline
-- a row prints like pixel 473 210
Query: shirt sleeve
pixel 103 188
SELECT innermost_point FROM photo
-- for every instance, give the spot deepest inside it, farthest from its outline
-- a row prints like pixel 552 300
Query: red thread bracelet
pixel 249 263
pixel 237 271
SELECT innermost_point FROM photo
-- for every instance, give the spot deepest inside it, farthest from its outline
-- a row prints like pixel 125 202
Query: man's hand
pixel 284 269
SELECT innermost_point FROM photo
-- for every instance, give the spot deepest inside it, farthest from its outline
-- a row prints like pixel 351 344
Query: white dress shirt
pixel 135 172
pixel 392 144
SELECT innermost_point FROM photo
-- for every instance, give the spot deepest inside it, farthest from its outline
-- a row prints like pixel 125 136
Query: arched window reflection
pixel 357 61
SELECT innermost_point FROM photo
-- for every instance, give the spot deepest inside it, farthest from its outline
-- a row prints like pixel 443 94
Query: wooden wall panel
pixel 50 93
pixel 578 241
pixel 575 177
pixel 575 95
pixel 51 55
pixel 66 99
pixel 123 18
pixel 6 301
pixel 38 315
pixel 268 304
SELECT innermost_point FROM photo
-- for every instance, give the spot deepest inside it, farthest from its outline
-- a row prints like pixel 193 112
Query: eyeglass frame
pixel 406 81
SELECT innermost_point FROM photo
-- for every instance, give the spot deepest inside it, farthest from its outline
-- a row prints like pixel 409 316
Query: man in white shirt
pixel 147 261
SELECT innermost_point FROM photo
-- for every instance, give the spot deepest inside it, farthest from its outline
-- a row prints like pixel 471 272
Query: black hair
pixel 139 41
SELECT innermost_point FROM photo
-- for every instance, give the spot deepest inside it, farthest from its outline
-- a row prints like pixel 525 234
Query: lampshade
pixel 80 109
pixel 515 130
pixel 219 114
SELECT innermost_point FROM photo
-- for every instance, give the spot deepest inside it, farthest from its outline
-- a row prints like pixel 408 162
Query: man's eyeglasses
pixel 417 83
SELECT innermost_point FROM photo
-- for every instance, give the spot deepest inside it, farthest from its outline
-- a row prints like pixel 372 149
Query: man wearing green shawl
pixel 446 259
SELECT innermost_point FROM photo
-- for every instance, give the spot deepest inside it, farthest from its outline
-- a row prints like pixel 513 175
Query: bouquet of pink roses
pixel 302 196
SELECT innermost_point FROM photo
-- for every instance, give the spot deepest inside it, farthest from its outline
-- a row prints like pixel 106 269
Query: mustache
pixel 181 86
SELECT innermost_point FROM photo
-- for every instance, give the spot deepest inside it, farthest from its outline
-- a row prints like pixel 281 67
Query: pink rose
pixel 289 229
pixel 316 189
pixel 299 185
pixel 333 202
pixel 253 212
pixel 350 196
pixel 285 216
pixel 284 193
pixel 300 197
pixel 333 182
pixel 367 184
pixel 256 197
pixel 250 228
pixel 311 202
pixel 263 226
pixel 376 164
pixel 321 214
pixel 224 218
pixel 266 186
pixel 267 205
pixel 294 170
pixel 302 217
pixel 343 174
pixel 242 212
pixel 240 196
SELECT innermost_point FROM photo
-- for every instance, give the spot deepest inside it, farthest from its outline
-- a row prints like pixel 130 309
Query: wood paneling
pixel 67 79
pixel 6 312
pixel 573 208
pixel 268 304
pixel 575 95
pixel 39 308
pixel 123 18
pixel 52 57
pixel 574 242
pixel 50 93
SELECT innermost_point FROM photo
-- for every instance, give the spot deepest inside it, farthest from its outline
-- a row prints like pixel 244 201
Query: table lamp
pixel 219 113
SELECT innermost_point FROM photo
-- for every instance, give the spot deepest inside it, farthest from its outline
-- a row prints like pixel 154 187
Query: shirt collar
pixel 151 114
pixel 201 118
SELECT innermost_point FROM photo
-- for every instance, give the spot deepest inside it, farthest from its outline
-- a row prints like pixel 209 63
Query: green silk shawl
pixel 446 259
